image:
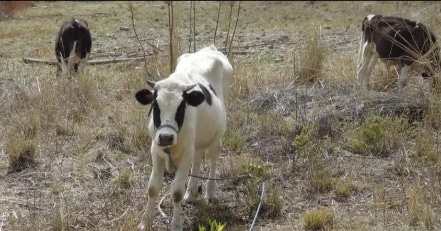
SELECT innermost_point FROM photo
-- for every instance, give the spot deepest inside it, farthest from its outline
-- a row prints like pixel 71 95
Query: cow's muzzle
pixel 167 137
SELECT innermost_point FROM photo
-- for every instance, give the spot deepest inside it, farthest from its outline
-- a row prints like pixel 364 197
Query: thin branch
pixel 171 31
pixel 217 21
pixel 156 61
pixel 89 62
pixel 229 24
pixel 234 31
pixel 191 28
pixel 194 26
pixel 132 17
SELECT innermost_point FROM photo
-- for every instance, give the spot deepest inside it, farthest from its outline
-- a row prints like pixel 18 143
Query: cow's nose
pixel 165 139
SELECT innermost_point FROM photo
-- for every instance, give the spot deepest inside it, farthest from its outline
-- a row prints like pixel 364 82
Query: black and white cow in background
pixel 72 46
pixel 400 42
pixel 189 117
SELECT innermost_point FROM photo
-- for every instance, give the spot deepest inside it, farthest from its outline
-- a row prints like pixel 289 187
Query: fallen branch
pixel 89 62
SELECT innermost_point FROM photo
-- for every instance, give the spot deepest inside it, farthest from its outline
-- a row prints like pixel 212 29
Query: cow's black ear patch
pixel 194 98
pixel 144 96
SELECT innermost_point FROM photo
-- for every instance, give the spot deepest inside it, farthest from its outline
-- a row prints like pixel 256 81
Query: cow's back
pixel 210 64
pixel 211 68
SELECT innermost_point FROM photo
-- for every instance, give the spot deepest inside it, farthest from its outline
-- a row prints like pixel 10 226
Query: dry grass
pixel 9 8
pixel 318 220
pixel 312 59
pixel 76 152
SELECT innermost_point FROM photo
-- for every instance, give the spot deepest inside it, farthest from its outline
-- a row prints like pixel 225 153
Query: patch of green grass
pixel 343 188
pixel 319 178
pixel 306 139
pixel 233 140
pixel 213 226
pixel 377 136
pixel 123 181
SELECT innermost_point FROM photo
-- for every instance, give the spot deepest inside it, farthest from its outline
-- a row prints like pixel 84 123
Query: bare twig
pixel 217 21
pixel 118 218
pixel 89 62
pixel 137 38
pixel 156 62
pixel 191 28
pixel 159 205
pixel 192 34
pixel 194 26
pixel 234 31
pixel 172 41
pixel 229 24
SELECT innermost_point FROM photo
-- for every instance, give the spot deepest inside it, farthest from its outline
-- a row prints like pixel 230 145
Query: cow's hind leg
pixel 63 65
pixel 192 188
pixel 83 63
pixel 360 51
pixel 372 62
pixel 365 66
pixel 402 78
pixel 71 59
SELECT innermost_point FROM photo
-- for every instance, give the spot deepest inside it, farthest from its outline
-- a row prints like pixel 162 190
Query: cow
pixel 399 42
pixel 189 118
pixel 72 46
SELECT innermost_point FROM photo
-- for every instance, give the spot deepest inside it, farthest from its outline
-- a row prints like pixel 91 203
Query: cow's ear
pixel 194 98
pixel 144 96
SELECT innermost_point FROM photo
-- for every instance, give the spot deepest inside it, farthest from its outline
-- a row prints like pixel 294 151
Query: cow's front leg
pixel 154 187
pixel 178 190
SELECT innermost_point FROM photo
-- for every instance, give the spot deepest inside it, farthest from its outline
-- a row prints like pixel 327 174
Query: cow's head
pixel 168 103
pixel 429 48
pixel 435 65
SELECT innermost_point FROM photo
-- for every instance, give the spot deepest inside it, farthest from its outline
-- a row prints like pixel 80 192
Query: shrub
pixel 21 153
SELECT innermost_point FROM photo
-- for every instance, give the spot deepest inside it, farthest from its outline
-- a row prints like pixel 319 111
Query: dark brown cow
pixel 396 41
pixel 72 46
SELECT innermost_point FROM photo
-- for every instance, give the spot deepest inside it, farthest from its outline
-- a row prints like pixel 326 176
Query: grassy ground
pixel 75 154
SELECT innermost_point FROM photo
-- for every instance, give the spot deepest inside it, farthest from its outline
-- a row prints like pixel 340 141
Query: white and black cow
pixel 396 41
pixel 72 46
pixel 189 117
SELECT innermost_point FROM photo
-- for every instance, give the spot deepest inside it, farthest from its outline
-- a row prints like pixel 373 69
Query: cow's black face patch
pixel 206 93
pixel 168 105
pixel 194 98
pixel 180 114
pixel 156 111
pixel 156 114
